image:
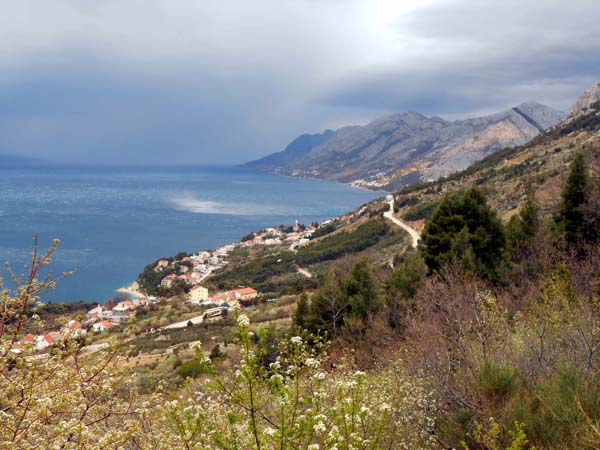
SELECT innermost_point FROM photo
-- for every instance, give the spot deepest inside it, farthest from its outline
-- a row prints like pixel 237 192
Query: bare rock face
pixel 583 105
pixel 404 148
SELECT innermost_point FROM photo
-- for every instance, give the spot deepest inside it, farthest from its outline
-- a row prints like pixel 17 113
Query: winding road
pixel 415 236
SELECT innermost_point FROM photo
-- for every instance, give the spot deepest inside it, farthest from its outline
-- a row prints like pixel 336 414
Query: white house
pixel 74 328
pixel 41 342
pixel 99 313
pixel 168 280
pixel 103 325
pixel 123 311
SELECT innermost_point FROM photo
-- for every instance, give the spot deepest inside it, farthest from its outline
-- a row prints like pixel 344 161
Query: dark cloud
pixel 219 82
pixel 463 56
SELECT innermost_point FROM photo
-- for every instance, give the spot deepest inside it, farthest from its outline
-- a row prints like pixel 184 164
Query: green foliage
pixel 464 230
pixel 421 212
pixel 324 230
pixel 301 317
pixel 332 247
pixel 497 382
pixel 490 437
pixel 276 271
pixel 522 228
pixel 571 218
pixel 357 295
pixel 406 279
pixel 560 410
pixel 149 280
pixel 408 275
pixel 328 306
pixel 192 369
pixel 362 290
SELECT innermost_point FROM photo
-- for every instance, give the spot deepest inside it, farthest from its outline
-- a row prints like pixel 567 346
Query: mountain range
pixel 404 148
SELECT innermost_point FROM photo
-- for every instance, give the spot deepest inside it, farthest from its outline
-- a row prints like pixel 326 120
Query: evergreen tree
pixel 329 305
pixel 464 229
pixel 407 277
pixel 402 287
pixel 522 229
pixel 301 318
pixel 571 218
pixel 362 290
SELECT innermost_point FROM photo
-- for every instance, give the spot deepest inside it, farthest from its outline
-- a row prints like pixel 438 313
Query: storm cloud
pixel 204 82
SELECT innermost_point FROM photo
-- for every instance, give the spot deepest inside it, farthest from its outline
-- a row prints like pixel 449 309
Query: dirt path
pixel 304 272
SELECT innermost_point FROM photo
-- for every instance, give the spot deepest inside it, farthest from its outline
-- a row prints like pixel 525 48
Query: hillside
pixel 405 148
pixel 275 270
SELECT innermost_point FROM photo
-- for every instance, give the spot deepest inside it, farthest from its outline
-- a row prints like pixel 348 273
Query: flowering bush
pixel 71 398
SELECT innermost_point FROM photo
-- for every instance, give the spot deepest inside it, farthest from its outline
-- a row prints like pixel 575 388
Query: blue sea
pixel 113 221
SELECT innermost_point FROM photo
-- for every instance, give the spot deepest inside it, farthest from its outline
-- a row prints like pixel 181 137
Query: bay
pixel 112 221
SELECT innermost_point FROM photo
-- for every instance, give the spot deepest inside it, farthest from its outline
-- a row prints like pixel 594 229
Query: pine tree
pixel 329 305
pixel 402 287
pixel 571 219
pixel 301 318
pixel 464 230
pixel 407 277
pixel 522 229
pixel 362 290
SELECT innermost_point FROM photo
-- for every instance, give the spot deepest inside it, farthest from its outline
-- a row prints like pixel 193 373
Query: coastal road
pixel 195 320
pixel 415 236
pixel 95 347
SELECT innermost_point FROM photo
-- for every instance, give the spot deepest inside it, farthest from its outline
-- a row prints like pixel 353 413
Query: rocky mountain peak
pixel 584 103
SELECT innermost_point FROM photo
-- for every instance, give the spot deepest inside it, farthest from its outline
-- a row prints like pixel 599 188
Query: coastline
pixel 131 290
pixel 304 177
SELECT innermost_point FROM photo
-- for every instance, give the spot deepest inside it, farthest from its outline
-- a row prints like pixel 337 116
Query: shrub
pixel 497 382
pixel 192 369
pixel 421 212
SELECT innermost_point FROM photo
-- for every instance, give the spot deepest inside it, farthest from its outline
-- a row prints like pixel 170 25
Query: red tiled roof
pixel 244 291
pixel 106 323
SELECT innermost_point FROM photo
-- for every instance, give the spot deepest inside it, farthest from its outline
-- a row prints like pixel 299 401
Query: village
pixel 181 275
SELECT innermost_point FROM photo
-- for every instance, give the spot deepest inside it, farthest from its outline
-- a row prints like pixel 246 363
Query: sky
pixel 223 82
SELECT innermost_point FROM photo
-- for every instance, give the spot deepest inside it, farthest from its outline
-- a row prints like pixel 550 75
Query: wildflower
pixel 385 407
pixel 243 321
pixel 313 447
pixel 319 427
pixel 296 340
pixel 312 363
